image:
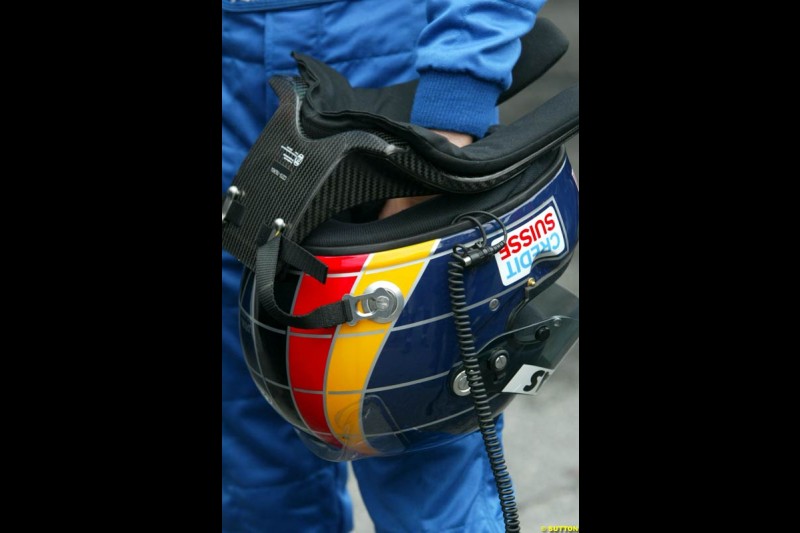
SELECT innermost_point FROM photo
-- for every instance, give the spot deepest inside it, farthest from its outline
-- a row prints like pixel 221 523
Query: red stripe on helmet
pixel 308 356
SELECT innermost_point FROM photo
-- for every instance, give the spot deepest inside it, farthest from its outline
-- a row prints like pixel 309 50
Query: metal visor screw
pixel 500 360
pixel 461 384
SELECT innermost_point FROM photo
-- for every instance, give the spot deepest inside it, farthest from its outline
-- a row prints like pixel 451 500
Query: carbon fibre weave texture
pixel 283 169
pixel 359 179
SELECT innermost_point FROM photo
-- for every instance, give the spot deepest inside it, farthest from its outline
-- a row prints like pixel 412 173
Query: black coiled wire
pixel 480 399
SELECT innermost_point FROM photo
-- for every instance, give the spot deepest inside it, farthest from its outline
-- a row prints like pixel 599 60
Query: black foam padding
pixel 331 106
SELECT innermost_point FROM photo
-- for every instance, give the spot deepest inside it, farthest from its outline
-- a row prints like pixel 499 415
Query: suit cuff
pixel 455 102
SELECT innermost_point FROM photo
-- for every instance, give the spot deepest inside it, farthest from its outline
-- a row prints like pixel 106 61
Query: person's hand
pixel 459 139
pixel 395 205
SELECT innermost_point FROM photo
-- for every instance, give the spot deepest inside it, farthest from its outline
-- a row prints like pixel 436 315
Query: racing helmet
pixel 379 337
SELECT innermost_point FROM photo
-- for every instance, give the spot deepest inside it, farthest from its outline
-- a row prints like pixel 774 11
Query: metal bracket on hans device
pixel 231 207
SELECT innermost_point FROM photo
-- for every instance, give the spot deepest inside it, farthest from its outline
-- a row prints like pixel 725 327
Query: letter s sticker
pixel 535 380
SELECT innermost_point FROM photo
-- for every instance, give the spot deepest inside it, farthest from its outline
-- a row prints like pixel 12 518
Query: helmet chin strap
pixel 277 247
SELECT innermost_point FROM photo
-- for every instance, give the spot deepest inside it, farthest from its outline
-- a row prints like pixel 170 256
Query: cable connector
pixel 477 253
pixel 480 251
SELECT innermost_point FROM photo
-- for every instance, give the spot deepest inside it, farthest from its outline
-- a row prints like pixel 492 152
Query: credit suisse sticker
pixel 538 237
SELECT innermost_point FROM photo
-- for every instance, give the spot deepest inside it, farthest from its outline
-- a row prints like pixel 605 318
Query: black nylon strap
pixel 295 255
pixel 324 316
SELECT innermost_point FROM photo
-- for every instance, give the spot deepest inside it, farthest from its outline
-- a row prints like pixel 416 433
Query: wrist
pixel 457 138
pixel 455 102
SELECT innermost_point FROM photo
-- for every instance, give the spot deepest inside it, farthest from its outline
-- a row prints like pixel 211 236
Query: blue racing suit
pixel 463 57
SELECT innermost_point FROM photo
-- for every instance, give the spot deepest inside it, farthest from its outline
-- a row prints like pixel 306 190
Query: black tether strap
pixel 267 256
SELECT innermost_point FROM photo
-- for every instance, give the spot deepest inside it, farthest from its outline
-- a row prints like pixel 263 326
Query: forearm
pixel 464 59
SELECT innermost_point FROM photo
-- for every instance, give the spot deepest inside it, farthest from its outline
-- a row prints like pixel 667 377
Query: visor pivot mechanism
pixel 461 384
pixel 499 360
pixel 381 302
pixel 543 333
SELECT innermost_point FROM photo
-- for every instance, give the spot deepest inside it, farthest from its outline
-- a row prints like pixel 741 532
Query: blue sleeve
pixel 464 58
